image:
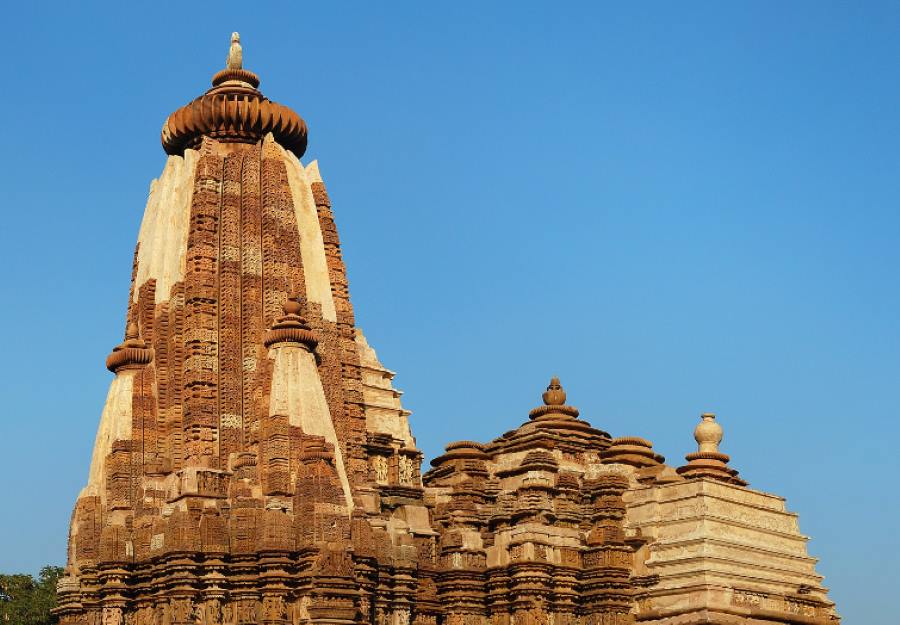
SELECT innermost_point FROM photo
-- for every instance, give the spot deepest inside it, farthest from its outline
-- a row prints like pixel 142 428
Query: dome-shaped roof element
pixel 233 111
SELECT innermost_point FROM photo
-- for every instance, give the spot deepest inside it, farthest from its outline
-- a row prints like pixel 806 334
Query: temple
pixel 254 464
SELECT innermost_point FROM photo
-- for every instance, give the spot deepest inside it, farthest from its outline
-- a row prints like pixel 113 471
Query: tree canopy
pixel 26 600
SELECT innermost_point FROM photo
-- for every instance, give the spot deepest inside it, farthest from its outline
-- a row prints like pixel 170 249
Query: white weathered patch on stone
pixel 381 401
pixel 312 245
pixel 297 392
pixel 312 172
pixel 164 229
pixel 115 425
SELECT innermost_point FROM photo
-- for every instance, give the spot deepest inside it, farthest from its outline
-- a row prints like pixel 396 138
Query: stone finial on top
pixel 235 58
pixel 708 433
pixel 233 111
pixel 554 395
pixel 291 327
pixel 554 402
pixel 708 461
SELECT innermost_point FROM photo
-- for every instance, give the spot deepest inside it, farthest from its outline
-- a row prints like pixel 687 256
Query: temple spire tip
pixel 235 58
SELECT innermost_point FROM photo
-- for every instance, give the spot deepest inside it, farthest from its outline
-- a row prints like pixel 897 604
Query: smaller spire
pixel 708 461
pixel 235 58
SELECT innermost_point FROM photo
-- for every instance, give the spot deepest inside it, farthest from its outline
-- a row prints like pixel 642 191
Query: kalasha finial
pixel 554 395
pixel 708 461
pixel 293 306
pixel 235 58
pixel 708 433
pixel 291 327
pixel 554 402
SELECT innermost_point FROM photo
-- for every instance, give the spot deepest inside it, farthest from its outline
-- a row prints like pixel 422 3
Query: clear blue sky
pixel 675 207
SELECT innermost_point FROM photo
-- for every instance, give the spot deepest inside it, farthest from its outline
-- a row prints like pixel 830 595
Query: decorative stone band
pixel 239 75
pixel 710 464
pixel 291 335
pixel 233 111
pixel 708 455
pixel 540 411
pixel 474 445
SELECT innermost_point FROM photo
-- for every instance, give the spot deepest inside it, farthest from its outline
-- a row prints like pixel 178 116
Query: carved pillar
pixel 606 587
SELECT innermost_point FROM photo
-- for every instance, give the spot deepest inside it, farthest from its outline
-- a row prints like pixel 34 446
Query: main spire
pixel 239 418
pixel 233 111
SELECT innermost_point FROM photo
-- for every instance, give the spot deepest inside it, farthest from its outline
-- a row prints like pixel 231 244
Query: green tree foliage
pixel 25 600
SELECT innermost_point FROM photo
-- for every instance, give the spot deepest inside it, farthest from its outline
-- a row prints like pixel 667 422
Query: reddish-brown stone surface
pixel 240 475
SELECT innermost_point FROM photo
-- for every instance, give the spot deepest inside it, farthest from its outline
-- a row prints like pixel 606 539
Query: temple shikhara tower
pixel 254 465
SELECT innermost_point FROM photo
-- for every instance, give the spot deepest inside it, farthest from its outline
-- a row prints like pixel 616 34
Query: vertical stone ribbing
pixel 332 335
pixel 337 272
pixel 274 283
pixel 252 314
pixel 230 375
pixel 201 321
pixel 290 262
pixel 282 265
pixel 174 405
pixel 350 423
pixel 161 345
pixel 143 411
